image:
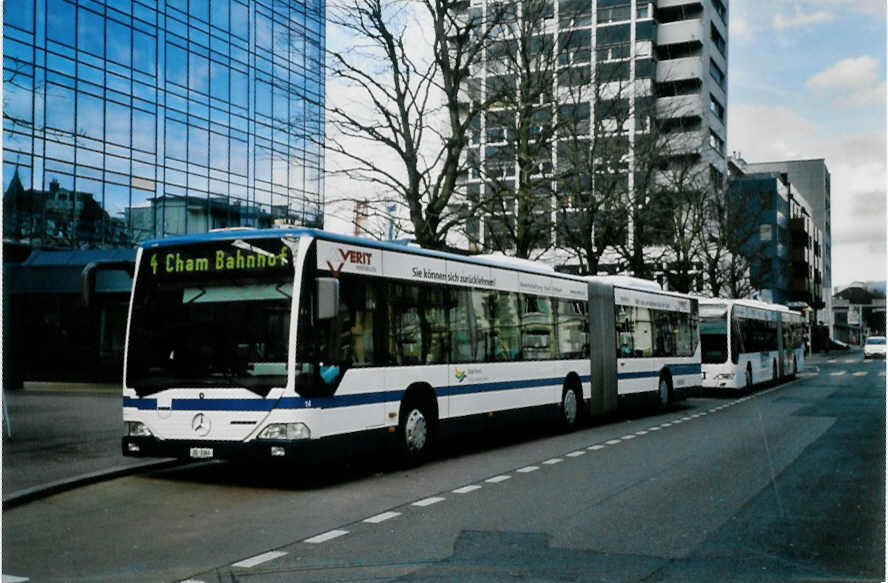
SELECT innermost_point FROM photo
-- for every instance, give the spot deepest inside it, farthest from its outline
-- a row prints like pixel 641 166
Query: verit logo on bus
pixel 220 261
pixel 350 256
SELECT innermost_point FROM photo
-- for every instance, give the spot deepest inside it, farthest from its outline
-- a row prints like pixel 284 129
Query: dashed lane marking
pixel 553 461
pixel 850 361
pixel 270 555
pixel 612 441
pixel 527 469
pixel 861 373
pixel 330 535
pixel 185 581
pixel 13 579
pixel 656 428
pixel 642 432
pixel 429 501
pixel 595 447
pixel 838 373
pixel 467 489
pixel 497 479
pixel 576 453
pixel 627 437
pixel 382 517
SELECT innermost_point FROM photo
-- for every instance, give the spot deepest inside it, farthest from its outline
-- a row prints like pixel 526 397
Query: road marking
pixel 13 579
pixel 838 373
pixel 527 469
pixel 657 428
pixel 576 453
pixel 553 461
pixel 832 361
pixel 642 432
pixel 271 555
pixel 612 441
pixel 662 425
pixel 850 361
pixel 382 517
pixel 185 581
pixel 627 437
pixel 467 489
pixel 429 501
pixel 497 479
pixel 861 373
pixel 595 447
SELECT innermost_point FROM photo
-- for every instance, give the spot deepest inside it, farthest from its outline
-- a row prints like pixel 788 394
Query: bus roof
pixel 248 233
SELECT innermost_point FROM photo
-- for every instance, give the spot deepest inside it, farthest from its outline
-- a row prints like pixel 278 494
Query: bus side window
pixel 506 330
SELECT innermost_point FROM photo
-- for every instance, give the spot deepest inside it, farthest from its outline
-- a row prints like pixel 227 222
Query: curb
pixel 44 490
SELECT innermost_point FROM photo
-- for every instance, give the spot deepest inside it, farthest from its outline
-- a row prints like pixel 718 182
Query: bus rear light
pixel 286 431
pixel 137 429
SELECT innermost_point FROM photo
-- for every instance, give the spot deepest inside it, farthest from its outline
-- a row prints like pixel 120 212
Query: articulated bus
pixel 747 342
pixel 257 343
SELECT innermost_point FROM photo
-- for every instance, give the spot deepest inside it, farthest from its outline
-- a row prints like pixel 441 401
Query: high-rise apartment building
pixel 133 119
pixel 625 71
pixel 812 178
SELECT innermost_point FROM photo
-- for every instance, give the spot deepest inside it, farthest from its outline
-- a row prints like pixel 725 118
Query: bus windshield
pixel 714 334
pixel 211 315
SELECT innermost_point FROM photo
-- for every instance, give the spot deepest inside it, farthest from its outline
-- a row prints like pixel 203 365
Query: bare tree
pixel 411 104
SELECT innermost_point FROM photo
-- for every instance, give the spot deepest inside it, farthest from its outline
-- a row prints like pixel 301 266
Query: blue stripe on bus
pixel 675 369
pixel 148 404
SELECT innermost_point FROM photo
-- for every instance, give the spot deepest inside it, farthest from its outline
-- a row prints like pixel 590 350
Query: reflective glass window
pixel 19 13
pixel 238 157
pixel 90 116
pixel 144 52
pixel 90 32
pixel 218 81
pixel 59 16
pixel 198 73
pixel 239 88
pixel 119 43
pixel 199 9
pixel 218 151
pixel 198 147
pixel 176 140
pixel 177 65
pixel 263 31
pixel 240 20
pixel 263 98
pixel 117 118
pixel 219 14
pixel 143 130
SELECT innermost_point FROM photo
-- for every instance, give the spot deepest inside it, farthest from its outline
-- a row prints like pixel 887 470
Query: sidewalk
pixel 62 435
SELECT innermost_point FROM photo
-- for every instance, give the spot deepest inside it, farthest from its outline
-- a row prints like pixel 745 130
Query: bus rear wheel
pixel 570 408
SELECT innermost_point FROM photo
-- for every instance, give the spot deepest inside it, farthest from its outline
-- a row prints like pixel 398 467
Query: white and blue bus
pixel 256 343
pixel 747 343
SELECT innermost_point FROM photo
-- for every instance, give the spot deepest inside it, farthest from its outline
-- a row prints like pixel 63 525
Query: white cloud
pixel 854 73
pixel 801 19
pixel 857 164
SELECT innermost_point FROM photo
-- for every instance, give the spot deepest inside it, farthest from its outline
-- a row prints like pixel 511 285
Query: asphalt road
pixel 785 484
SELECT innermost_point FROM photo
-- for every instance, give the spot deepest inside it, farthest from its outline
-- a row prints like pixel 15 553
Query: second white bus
pixel 747 343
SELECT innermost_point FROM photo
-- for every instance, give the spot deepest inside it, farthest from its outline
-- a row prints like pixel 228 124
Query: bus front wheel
pixel 663 390
pixel 415 432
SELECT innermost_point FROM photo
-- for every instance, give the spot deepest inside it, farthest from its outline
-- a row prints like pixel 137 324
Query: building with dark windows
pixel 639 97
pixel 812 177
pixel 127 120
pixel 785 245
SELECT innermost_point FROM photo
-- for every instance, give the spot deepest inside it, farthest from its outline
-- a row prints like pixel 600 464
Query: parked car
pixel 874 347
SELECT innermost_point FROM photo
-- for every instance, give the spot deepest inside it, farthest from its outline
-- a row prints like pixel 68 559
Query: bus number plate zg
pixel 202 452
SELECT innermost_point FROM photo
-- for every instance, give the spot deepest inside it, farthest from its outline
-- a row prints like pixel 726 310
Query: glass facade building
pixel 127 120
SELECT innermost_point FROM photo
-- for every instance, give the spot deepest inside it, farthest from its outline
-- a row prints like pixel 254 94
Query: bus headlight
pixel 137 429
pixel 286 431
pixel 725 376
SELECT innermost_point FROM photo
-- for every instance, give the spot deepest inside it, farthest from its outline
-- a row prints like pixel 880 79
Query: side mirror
pixel 327 293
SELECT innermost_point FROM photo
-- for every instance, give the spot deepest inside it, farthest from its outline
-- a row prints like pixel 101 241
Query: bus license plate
pixel 202 452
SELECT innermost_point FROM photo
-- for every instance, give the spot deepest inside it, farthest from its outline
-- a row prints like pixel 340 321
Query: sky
pixel 807 80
